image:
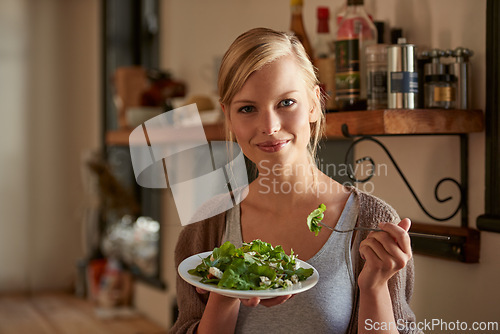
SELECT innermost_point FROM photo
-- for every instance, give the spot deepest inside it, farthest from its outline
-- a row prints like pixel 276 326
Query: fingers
pixel 380 244
pixel 388 250
pixel 382 250
pixel 201 291
pixel 405 224
pixel 252 302
pixel 399 233
pixel 275 301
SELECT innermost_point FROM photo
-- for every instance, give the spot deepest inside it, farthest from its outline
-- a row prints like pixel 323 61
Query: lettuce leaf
pixel 315 218
pixel 255 266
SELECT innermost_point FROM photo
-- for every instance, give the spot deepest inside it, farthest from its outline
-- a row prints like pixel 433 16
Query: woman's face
pixel 270 116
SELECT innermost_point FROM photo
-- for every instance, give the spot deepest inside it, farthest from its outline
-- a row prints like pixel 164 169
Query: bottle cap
pixel 296 2
pixel 461 52
pixel 436 53
pixel 355 2
pixel 323 13
pixel 395 34
pixel 380 31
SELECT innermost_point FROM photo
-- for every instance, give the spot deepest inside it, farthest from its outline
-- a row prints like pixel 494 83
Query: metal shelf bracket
pixel 464 237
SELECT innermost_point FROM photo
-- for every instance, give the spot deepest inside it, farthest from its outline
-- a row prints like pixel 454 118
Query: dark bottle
pixel 324 59
pixel 297 26
pixel 355 32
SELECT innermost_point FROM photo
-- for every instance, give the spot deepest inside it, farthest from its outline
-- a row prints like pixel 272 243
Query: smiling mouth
pixel 273 146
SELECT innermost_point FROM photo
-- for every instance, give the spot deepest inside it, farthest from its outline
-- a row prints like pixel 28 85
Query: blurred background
pixel 63 141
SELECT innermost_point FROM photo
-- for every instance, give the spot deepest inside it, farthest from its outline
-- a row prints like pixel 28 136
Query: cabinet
pixel 365 125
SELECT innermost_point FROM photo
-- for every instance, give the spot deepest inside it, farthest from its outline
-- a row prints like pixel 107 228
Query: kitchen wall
pixel 49 87
pixel 13 153
pixel 196 33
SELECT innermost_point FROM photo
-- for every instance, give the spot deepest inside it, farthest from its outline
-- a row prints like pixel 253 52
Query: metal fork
pixel 412 234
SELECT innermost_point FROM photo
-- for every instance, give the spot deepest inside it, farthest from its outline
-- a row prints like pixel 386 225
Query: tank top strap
pixel 233 227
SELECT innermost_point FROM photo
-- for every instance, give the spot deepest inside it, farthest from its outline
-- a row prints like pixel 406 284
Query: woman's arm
pixel 220 316
pixel 385 254
pixel 221 313
pixel 193 239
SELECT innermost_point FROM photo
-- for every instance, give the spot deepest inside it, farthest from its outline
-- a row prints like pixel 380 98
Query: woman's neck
pixel 291 184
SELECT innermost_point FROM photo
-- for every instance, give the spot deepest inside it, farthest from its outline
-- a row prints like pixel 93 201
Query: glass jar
pixel 439 91
pixel 376 76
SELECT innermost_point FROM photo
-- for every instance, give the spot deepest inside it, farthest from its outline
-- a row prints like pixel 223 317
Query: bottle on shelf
pixel 297 26
pixel 323 46
pixel 440 91
pixel 376 76
pixel 380 26
pixel 429 64
pixel 324 57
pixel 376 71
pixel 340 13
pixel 402 76
pixel 355 32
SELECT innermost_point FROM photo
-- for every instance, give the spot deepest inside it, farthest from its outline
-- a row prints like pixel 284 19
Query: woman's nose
pixel 270 122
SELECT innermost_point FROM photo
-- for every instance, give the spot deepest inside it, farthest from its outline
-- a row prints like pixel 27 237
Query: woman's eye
pixel 245 109
pixel 287 103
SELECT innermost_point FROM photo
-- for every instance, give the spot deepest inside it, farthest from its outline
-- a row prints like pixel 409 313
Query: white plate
pixel 193 261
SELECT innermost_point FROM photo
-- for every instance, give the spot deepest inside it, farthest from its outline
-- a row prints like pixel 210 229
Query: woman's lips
pixel 273 146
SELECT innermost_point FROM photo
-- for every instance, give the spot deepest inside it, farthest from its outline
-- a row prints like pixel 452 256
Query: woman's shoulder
pixel 206 227
pixel 373 210
pixel 218 204
pixel 200 237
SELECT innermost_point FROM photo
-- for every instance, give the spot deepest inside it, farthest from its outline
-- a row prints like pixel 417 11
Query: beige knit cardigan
pixel 207 234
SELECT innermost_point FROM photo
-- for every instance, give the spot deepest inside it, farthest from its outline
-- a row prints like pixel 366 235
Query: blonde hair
pixel 253 50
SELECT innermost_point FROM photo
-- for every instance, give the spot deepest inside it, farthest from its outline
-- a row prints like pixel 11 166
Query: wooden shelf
pixel 464 243
pixel 405 122
pixel 121 137
pixel 369 122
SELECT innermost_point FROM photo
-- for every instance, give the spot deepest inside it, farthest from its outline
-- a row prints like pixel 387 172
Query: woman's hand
pixel 252 302
pixel 266 302
pixel 385 254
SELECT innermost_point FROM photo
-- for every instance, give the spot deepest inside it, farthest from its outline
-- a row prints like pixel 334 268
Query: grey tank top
pixel 327 307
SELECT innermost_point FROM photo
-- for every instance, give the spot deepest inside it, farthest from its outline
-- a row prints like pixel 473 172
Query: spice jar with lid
pixel 440 90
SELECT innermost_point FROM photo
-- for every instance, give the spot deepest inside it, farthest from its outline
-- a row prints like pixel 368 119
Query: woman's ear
pixel 315 112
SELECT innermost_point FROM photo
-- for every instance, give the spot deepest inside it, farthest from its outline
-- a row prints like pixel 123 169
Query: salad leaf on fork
pixel 315 218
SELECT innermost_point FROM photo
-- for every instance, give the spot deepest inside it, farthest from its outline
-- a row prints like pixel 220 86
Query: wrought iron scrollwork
pixel 345 131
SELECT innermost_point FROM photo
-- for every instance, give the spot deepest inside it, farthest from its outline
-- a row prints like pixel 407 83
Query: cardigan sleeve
pixel 193 239
pixel 373 211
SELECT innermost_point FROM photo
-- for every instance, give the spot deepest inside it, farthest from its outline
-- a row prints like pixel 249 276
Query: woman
pixel 273 107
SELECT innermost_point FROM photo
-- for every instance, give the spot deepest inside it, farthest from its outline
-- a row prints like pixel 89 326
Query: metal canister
pixel 402 76
pixel 462 71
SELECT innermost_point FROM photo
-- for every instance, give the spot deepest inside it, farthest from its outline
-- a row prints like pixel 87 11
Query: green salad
pixel 314 219
pixel 254 266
